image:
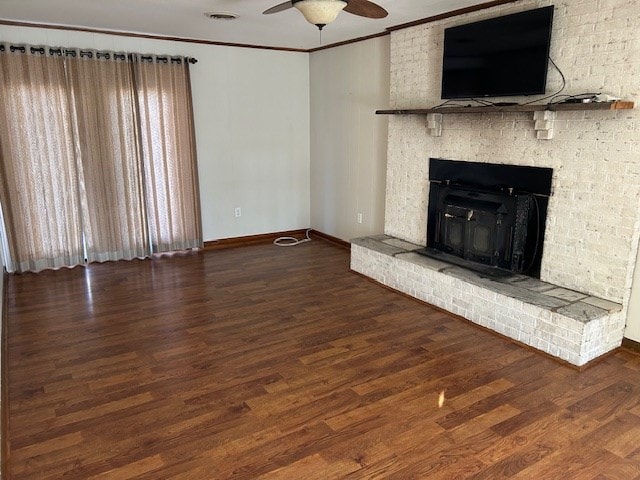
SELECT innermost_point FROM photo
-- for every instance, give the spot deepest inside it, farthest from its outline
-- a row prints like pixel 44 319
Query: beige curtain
pixel 97 156
pixel 168 152
pixel 38 174
pixel 104 104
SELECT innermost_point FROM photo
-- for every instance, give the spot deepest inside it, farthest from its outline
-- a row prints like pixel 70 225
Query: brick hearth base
pixel 564 323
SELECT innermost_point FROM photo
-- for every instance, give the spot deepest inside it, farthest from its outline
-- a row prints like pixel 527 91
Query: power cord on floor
pixel 292 241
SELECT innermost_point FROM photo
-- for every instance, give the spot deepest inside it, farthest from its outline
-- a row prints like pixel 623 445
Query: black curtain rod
pixel 71 52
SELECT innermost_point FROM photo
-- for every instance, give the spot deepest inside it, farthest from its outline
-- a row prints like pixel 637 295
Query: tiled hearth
pixel 567 324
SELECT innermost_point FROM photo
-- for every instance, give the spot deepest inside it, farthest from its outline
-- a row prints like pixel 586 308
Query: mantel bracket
pixel 543 124
pixel 434 124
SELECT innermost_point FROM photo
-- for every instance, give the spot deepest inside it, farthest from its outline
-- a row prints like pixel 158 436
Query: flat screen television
pixel 498 57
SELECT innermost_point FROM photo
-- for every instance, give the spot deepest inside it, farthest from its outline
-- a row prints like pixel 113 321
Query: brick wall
pixel 593 219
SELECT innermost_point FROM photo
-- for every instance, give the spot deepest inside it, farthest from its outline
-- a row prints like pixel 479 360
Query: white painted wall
pixel 251 111
pixel 348 141
pixel 633 314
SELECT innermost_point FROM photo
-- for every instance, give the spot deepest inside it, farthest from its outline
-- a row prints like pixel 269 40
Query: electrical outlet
pixel 238 212
pixel 359 217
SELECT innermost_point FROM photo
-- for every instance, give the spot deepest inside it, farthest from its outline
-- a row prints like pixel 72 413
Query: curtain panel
pixel 38 170
pixel 166 111
pixel 97 156
pixel 104 105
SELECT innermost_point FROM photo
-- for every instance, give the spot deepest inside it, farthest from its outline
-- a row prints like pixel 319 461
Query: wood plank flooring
pixel 278 363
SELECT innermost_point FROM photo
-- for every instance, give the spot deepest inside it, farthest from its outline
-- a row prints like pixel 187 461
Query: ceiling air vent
pixel 221 15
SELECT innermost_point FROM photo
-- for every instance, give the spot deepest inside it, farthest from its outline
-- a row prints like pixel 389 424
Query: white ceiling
pixel 186 19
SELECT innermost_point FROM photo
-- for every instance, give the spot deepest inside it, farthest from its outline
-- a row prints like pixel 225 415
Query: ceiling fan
pixel 322 12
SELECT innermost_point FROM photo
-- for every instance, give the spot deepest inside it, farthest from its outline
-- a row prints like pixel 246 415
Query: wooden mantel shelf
pixel 544 114
pixel 534 107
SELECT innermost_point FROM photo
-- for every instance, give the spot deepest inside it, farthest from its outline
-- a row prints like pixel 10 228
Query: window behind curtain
pixel 110 141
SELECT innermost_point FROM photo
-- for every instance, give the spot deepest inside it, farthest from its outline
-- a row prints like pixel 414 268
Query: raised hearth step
pixel 571 325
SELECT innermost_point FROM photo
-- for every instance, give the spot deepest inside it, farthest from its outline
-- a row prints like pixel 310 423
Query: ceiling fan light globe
pixel 320 12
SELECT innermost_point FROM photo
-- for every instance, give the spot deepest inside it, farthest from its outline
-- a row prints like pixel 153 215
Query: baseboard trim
pixel 235 242
pixel 4 388
pixel 630 345
pixel 332 239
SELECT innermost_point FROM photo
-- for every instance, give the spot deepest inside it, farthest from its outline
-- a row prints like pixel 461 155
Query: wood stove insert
pixel 488 215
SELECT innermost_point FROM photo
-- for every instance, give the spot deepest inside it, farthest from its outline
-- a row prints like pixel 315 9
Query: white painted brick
pixel 599 48
pixel 592 226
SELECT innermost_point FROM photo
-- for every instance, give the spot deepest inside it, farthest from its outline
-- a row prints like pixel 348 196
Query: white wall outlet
pixel 359 218
pixel 238 212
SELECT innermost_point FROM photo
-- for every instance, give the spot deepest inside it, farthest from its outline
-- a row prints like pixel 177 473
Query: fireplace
pixel 488 216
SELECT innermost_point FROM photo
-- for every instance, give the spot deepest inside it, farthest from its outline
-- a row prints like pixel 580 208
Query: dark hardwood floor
pixel 279 363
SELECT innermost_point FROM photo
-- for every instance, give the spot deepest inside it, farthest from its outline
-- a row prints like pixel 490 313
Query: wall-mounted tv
pixel 498 57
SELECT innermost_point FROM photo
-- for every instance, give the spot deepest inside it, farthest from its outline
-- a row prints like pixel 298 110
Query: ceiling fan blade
pixel 278 8
pixel 365 8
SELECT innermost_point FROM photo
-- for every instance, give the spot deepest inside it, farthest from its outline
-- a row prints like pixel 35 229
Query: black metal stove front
pixel 483 226
pixel 490 214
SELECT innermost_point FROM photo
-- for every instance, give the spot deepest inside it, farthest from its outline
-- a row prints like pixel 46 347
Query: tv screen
pixel 498 57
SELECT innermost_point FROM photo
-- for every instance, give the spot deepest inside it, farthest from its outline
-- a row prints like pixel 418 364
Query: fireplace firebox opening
pixel 488 215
